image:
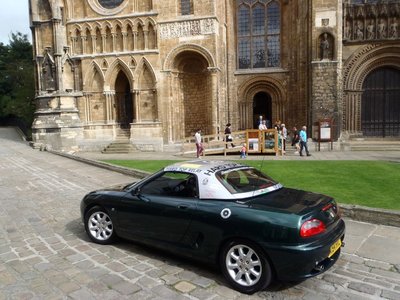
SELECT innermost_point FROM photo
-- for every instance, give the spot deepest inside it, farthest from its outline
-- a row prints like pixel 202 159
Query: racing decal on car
pixel 187 168
pixel 212 170
pixel 226 213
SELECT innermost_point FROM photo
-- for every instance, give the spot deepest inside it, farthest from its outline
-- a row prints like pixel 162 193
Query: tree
pixel 17 85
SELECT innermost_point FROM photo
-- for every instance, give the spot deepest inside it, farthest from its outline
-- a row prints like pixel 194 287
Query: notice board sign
pixel 324 133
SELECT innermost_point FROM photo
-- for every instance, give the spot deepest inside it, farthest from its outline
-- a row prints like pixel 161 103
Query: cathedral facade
pixel 157 70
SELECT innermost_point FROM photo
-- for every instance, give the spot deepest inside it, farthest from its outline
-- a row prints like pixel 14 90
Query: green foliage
pixel 366 183
pixel 17 86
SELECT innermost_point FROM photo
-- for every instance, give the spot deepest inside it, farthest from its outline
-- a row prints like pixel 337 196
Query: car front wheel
pixel 245 267
pixel 99 226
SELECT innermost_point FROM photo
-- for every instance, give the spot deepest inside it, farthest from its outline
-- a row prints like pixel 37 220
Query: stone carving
pixel 360 30
pixel 347 32
pixel 48 72
pixel 371 20
pixel 394 29
pixel 187 28
pixel 371 30
pixel 325 47
pixel 381 29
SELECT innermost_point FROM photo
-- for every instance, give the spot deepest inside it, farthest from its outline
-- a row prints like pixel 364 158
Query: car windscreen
pixel 244 180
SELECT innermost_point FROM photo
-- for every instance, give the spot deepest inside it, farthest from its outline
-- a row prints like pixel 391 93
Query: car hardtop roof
pixel 207 167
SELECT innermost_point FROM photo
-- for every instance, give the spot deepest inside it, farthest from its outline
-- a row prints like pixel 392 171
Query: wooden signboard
pixel 324 133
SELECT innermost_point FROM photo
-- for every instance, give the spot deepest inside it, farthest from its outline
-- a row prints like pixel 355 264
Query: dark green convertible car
pixel 223 213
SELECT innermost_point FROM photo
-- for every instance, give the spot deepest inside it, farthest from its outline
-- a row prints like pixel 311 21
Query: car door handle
pixel 183 206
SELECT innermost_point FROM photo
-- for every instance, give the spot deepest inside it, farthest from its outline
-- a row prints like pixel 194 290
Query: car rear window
pixel 244 180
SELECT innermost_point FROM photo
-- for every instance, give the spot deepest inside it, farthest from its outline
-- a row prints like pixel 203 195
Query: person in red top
pixel 243 151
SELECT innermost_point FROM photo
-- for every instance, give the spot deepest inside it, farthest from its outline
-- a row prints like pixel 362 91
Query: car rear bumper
pixel 302 261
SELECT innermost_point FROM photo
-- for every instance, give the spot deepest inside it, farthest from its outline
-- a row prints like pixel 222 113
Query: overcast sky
pixel 14 17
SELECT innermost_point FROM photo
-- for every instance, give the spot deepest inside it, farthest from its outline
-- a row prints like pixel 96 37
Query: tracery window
pixel 258 30
pixel 186 7
pixel 110 3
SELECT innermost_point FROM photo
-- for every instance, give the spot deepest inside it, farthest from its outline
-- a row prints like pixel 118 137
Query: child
pixel 243 151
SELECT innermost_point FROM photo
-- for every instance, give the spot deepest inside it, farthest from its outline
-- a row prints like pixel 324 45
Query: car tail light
pixel 311 228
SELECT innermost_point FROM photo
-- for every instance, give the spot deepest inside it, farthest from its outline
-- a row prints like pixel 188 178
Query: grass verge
pixel 367 183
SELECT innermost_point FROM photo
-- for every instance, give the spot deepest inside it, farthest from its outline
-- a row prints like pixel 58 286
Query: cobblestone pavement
pixel 45 254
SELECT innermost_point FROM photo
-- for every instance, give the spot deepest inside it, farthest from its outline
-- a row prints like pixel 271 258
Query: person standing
pixel 284 136
pixel 228 135
pixel 303 141
pixel 199 144
pixel 243 151
pixel 296 140
pixel 263 125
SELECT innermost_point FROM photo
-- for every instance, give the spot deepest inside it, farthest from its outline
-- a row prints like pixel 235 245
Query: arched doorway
pixel 195 93
pixel 124 101
pixel 262 106
pixel 380 103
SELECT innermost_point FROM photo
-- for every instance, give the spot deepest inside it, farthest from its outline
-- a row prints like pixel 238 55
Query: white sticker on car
pixel 226 213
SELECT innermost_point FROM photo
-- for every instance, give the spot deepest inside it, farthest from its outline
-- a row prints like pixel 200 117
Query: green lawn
pixel 366 183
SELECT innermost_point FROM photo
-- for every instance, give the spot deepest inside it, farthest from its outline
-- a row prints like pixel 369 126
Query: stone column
pixel 352 117
pixel 146 39
pixel 109 109
pixel 137 106
pixel 93 44
pixel 113 43
pixel 124 39
pixel 135 34
pixel 104 42
pixel 87 112
pixel 83 41
pixel 214 99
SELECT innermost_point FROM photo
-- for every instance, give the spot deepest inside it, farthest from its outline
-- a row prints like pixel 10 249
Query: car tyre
pixel 99 226
pixel 245 266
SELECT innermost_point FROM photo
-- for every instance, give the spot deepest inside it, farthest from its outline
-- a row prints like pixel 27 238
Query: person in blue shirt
pixel 303 141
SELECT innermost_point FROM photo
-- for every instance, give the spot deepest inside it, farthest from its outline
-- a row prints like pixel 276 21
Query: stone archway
pixel 357 68
pixel 262 106
pixel 195 92
pixel 380 103
pixel 192 76
pixel 261 96
pixel 123 101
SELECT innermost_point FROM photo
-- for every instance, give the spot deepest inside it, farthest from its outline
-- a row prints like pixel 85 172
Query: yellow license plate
pixel 335 247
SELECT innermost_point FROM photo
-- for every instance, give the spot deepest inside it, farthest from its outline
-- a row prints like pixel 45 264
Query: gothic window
pixel 140 37
pixel 258 29
pixel 119 39
pixel 78 45
pixel 109 40
pixel 186 7
pixel 129 38
pixel 89 43
pixel 99 41
pixel 110 3
pixel 151 37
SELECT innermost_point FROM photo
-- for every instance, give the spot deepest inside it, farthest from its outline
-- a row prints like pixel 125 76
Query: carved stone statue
pixel 325 47
pixel 371 30
pixel 381 29
pixel 394 29
pixel 360 31
pixel 347 33
pixel 48 72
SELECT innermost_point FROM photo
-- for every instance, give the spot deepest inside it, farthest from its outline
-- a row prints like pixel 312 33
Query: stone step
pixel 369 145
pixel 119 147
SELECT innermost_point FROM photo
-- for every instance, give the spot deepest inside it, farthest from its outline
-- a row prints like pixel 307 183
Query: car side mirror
pixel 137 193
